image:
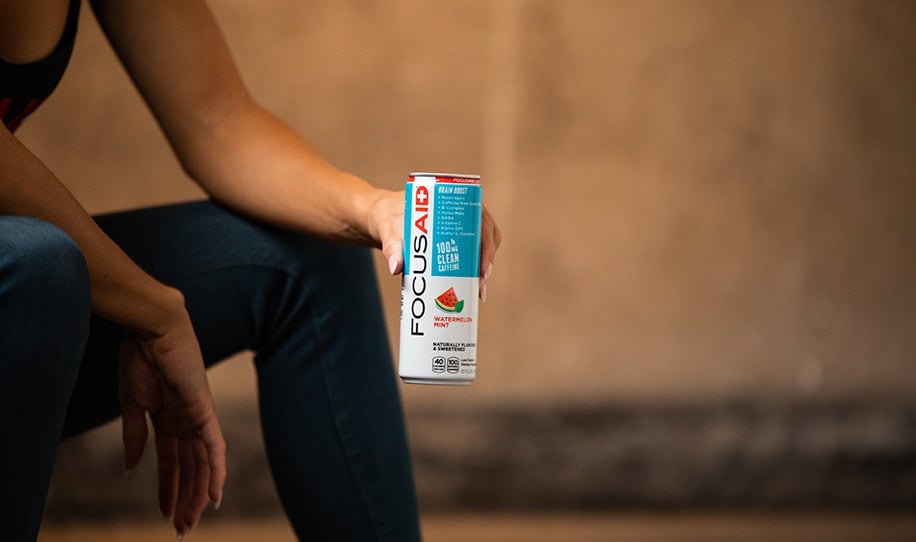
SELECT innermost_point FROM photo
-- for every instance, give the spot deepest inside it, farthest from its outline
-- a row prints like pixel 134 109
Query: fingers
pixel 490 239
pixel 201 484
pixel 134 434
pixel 191 474
pixel 215 446
pixel 167 452
pixel 193 485
pixel 186 478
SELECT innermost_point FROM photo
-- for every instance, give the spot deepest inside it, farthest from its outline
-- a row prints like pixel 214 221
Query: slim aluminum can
pixel 441 278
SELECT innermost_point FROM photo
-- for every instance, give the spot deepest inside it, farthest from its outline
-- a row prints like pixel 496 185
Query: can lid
pixel 443 175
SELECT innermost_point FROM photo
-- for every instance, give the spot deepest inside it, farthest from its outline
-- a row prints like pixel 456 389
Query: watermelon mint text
pixel 444 321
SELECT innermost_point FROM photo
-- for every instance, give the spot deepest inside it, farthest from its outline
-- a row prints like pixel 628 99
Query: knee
pixel 45 312
pixel 42 267
pixel 325 284
pixel 344 274
pixel 41 258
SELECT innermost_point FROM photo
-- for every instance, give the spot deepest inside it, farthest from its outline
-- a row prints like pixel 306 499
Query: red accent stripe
pixel 17 120
pixel 450 179
pixel 457 180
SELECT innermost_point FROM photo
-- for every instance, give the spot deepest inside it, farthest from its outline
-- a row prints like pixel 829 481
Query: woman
pixel 120 314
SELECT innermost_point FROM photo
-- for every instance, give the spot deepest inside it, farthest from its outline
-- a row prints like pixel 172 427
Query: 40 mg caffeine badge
pixel 442 214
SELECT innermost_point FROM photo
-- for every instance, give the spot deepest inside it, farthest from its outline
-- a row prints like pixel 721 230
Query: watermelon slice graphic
pixel 449 301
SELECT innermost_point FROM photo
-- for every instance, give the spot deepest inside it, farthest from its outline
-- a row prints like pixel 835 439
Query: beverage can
pixel 442 213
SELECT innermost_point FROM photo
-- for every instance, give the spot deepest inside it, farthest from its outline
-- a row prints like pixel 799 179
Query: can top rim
pixel 450 175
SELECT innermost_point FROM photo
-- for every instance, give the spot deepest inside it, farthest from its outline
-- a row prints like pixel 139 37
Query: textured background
pixel 705 204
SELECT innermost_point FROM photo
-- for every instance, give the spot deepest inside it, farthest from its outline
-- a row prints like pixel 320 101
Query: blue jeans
pixel 330 411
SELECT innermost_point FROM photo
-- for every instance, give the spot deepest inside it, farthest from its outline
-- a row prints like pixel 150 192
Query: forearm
pixel 240 154
pixel 121 291
pixel 255 163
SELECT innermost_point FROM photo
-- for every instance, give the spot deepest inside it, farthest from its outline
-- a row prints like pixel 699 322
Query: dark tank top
pixel 23 87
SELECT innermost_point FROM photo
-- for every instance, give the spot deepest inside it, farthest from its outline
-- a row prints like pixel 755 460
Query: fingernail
pixel 488 272
pixel 218 502
pixel 180 536
pixel 483 292
pixel 393 263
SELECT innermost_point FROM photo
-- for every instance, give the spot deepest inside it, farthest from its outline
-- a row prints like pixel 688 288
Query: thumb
pixel 134 434
pixel 393 253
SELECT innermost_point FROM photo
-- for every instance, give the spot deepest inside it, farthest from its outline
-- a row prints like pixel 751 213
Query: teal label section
pixel 456 230
pixel 408 197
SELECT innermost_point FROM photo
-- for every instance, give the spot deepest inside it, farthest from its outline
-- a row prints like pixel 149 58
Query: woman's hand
pixel 386 226
pixel 163 374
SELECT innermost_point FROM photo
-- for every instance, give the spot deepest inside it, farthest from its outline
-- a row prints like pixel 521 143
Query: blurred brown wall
pixel 700 199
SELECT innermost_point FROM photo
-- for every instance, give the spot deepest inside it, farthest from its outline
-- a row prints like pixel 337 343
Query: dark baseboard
pixel 741 454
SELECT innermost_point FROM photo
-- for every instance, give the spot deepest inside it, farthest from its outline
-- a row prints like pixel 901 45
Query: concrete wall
pixel 702 201
pixel 699 198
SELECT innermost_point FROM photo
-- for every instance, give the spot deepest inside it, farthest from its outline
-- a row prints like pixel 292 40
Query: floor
pixel 566 528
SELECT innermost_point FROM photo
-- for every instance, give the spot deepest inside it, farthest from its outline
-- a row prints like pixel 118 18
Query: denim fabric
pixel 330 411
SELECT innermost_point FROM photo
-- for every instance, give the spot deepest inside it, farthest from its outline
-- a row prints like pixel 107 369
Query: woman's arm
pixel 239 153
pixel 160 349
pixel 121 291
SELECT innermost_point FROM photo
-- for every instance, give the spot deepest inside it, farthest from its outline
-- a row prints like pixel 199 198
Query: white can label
pixel 441 277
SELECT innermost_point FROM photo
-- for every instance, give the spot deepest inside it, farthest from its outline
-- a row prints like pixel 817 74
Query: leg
pixel 341 463
pixel 44 318
pixel 330 409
